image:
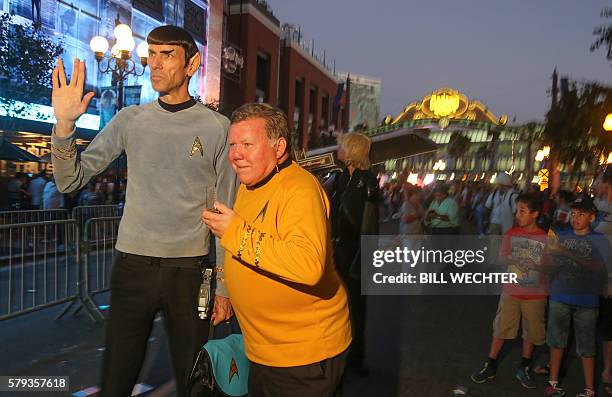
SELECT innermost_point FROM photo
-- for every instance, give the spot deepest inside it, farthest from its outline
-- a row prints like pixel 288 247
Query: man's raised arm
pixel 68 105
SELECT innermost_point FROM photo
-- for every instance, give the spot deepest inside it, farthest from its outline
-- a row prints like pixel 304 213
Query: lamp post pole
pixel 120 64
pixel 119 80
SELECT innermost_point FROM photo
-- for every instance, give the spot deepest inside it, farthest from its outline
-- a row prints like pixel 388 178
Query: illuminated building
pixel 265 61
pixel 490 144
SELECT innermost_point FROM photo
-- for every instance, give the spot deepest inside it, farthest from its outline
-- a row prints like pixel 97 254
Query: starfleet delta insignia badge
pixel 262 213
pixel 233 370
pixel 197 146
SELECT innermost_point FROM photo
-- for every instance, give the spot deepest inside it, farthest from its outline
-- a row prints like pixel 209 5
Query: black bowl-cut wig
pixel 174 35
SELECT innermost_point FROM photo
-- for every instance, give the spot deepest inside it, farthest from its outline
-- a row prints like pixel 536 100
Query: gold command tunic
pixel 280 274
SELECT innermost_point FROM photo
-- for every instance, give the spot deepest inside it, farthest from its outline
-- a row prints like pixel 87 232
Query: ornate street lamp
pixel 120 62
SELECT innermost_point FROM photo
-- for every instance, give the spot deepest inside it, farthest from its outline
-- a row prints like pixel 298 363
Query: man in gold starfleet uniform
pixel 279 270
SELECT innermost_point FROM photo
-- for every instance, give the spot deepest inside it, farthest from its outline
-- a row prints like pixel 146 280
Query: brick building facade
pixel 278 68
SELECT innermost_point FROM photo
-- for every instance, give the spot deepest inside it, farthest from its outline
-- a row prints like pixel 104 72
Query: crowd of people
pixel 558 244
pixel 36 192
pixel 480 208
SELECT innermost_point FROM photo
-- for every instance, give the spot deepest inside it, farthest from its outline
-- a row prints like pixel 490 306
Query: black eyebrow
pixel 167 51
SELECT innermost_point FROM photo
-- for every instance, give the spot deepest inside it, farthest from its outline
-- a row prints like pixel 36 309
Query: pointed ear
pixel 194 64
pixel 281 148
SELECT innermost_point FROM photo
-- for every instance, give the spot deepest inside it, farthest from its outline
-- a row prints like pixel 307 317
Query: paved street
pixel 417 346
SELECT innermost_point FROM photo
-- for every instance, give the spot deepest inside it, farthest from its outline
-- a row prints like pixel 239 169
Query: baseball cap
pixel 584 203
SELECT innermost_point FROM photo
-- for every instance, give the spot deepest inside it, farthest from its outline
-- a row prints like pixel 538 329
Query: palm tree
pixel 604 34
pixel 484 152
pixel 27 58
pixel 458 146
pixel 574 128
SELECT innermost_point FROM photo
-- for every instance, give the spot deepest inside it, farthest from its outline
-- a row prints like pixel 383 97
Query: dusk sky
pixel 500 52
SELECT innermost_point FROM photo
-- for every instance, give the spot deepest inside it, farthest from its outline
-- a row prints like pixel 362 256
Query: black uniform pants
pixel 321 379
pixel 140 286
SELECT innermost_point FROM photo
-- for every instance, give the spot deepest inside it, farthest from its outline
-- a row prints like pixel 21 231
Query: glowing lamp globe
pixel 143 50
pixel 115 52
pixel 126 44
pixel 122 31
pixel 98 44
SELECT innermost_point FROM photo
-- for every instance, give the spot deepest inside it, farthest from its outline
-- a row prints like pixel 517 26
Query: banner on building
pixel 107 104
pixel 114 13
pixel 364 103
pixel 131 95
pixel 43 11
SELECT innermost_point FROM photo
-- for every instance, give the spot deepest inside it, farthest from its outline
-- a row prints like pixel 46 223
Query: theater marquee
pixel 444 105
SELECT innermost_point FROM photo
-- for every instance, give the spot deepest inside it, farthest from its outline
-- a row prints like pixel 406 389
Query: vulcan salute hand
pixel 68 101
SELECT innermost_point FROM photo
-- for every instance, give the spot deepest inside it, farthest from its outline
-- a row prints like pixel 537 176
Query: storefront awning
pixel 399 144
pixel 386 146
pixel 39 127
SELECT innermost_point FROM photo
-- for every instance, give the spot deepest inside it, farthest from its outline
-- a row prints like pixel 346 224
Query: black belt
pixel 194 262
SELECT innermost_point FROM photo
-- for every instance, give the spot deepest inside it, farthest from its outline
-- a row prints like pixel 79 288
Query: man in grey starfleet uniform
pixel 176 150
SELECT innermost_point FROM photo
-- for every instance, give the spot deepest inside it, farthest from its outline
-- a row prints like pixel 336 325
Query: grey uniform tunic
pixel 172 157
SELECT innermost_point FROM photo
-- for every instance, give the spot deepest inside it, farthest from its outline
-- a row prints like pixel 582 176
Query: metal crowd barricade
pixel 98 250
pixel 95 252
pixel 38 266
pixel 48 262
pixel 83 213
pixel 29 216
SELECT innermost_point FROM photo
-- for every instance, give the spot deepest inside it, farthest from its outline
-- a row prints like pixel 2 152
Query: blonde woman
pixel 354 212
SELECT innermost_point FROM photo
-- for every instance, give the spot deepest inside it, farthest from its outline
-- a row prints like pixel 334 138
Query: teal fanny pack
pixel 222 367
